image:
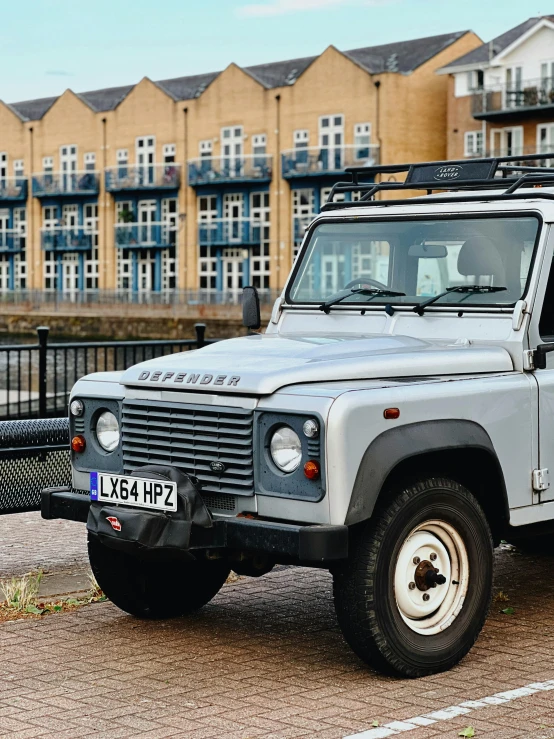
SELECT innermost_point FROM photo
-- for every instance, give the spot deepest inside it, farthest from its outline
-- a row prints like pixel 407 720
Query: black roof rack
pixel 504 174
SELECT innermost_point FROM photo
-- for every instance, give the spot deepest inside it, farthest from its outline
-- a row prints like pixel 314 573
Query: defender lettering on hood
pixel 189 378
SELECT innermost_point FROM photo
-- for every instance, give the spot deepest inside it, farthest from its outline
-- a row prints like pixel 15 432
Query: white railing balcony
pixel 231 231
pixel 324 160
pixel 46 184
pixel 214 170
pixel 13 188
pixel 12 241
pixel 143 177
pixel 526 96
pixel 145 235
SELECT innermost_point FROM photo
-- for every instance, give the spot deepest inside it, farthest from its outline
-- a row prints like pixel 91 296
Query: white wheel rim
pixel 433 545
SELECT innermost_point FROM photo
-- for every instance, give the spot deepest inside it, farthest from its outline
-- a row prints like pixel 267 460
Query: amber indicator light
pixel 391 413
pixel 311 470
pixel 78 444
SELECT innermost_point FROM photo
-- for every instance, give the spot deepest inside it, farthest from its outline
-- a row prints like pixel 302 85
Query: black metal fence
pixel 36 379
pixel 33 455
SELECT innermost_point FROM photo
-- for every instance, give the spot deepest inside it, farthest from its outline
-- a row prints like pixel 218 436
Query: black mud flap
pixel 138 530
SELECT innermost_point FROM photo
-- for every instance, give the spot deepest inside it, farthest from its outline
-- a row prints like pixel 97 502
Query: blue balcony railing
pixel 12 241
pixel 66 239
pixel 314 161
pixel 48 184
pixel 13 188
pixel 226 232
pixel 143 177
pixel 145 235
pixel 214 170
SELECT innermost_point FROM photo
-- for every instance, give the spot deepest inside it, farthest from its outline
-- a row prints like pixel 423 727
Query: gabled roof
pixel 481 55
pixel 32 110
pixel 187 88
pixel 280 74
pixel 403 57
pixel 107 99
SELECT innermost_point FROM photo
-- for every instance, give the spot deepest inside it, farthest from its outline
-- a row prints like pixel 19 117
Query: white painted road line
pixel 445 714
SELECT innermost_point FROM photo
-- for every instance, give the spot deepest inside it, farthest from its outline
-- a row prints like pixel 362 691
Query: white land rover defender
pixel 394 421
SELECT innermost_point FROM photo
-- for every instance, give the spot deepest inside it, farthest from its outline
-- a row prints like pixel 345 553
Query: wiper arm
pixel 470 289
pixel 373 292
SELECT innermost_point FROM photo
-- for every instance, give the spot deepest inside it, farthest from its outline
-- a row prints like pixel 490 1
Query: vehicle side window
pixel 546 324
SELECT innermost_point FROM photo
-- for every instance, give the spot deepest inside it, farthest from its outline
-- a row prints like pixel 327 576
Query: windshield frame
pixel 375 305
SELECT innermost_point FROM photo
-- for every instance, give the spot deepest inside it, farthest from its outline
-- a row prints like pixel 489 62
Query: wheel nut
pixel 433 557
pixel 426 596
pixel 416 560
pixel 411 586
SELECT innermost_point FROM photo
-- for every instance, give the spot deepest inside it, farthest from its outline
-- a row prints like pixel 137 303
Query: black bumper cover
pixel 315 544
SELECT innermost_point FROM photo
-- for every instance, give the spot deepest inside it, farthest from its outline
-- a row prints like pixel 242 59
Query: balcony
pixel 229 232
pixel 316 161
pixel 13 188
pixel 145 235
pixel 223 170
pixel 515 151
pixel 66 239
pixel 59 184
pixel 505 101
pixel 140 177
pixel 12 241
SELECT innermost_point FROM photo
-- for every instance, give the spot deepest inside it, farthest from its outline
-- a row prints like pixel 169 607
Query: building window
pixel 90 161
pixel 124 212
pixel 3 164
pixel 206 149
pixel 122 156
pixel 362 140
pixel 146 150
pixel 169 153
pixel 18 168
pixel 507 142
pixel 124 269
pixel 301 139
pixel 303 206
pixel 207 207
pixel 170 216
pixel 50 216
pixel 50 271
pixel 473 143
pixel 475 80
pixel 545 142
pixel 48 165
pixel 259 144
pixel 260 261
pixel 232 141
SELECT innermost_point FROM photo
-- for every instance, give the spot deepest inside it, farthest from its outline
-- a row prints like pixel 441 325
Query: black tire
pixel 155 589
pixel 364 592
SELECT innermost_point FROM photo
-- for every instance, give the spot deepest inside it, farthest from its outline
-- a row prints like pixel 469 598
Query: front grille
pixel 220 502
pixel 189 437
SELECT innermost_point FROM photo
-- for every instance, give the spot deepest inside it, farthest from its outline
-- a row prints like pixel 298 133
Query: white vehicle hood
pixel 261 364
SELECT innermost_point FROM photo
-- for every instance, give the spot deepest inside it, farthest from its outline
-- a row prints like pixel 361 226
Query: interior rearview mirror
pixel 427 251
pixel 251 316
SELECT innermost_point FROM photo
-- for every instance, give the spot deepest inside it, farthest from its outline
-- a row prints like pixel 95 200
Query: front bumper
pixel 310 544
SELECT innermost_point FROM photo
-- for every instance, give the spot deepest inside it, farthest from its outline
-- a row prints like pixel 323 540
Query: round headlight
pixel 107 431
pixel 77 408
pixel 286 449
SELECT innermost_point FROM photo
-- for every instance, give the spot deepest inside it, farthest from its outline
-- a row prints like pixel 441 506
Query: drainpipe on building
pixel 185 183
pixel 378 123
pixel 278 172
pixel 105 210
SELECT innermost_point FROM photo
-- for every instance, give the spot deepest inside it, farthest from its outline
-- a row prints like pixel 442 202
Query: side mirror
pixel 251 316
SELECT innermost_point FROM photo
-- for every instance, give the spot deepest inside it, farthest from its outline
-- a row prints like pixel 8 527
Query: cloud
pixel 284 7
pixel 58 73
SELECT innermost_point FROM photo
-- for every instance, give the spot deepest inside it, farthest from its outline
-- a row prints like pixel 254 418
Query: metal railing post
pixel 200 329
pixel 42 332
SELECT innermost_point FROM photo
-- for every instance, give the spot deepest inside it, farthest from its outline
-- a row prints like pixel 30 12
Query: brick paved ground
pixel 265 659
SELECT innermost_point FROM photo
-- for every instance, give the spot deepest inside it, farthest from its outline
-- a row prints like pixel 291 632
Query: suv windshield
pixel 417 260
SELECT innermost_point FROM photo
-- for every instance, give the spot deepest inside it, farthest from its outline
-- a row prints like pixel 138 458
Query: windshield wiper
pixel 373 292
pixel 469 289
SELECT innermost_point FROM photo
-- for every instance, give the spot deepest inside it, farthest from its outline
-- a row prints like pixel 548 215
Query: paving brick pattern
pixel 264 659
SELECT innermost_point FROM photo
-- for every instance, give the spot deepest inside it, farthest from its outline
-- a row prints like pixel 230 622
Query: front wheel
pixel 155 588
pixel 415 592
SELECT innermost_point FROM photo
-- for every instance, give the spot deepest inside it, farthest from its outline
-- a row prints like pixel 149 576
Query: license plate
pixel 159 495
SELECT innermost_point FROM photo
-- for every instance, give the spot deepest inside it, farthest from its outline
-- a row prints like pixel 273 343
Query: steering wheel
pixel 366 282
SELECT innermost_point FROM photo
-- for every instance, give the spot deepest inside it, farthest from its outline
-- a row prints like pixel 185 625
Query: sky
pixel 51 45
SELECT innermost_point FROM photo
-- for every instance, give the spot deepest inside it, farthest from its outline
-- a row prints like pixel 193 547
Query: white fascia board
pixel 544 23
pixel 463 68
